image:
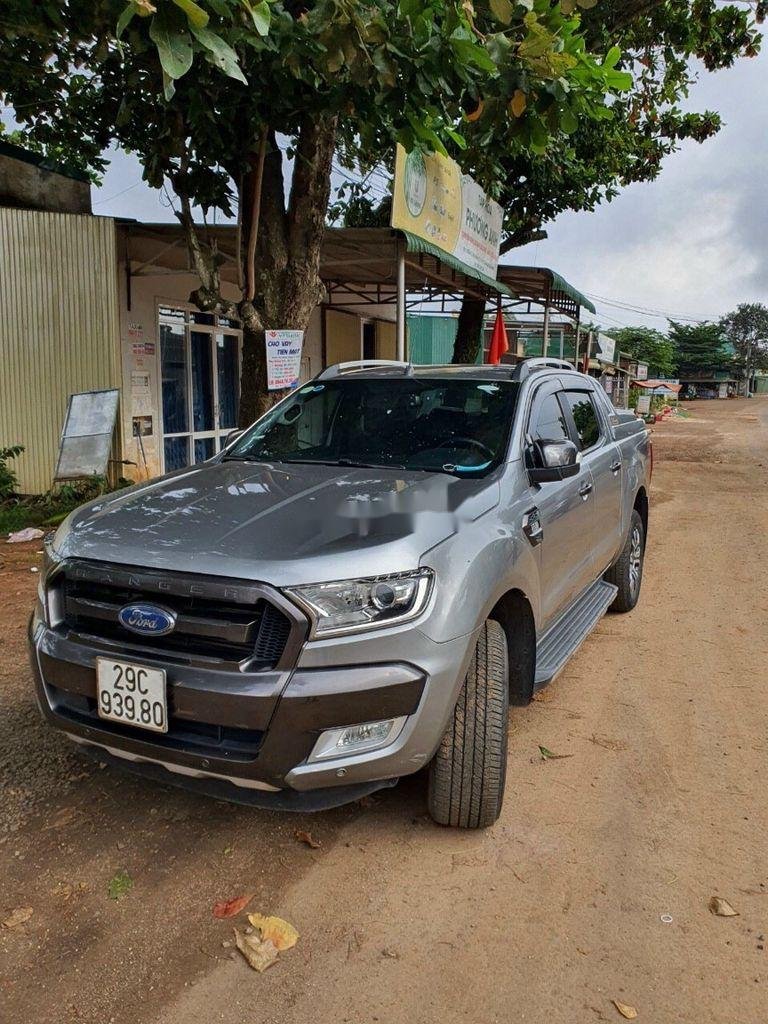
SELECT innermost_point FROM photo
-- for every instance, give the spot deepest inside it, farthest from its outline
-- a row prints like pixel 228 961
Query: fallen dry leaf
pixel 547 755
pixel 260 953
pixel 229 908
pixel 627 1011
pixel 721 907
pixel 306 837
pixel 18 916
pixel 275 930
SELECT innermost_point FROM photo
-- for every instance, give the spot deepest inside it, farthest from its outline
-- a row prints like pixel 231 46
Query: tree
pixel 746 329
pixel 200 90
pixel 648 346
pixel 627 143
pixel 700 349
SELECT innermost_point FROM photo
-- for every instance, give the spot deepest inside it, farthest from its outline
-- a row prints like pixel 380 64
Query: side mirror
pixel 232 436
pixel 554 460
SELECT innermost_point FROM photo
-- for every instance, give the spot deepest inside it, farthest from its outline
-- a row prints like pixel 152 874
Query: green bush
pixel 51 508
pixel 8 481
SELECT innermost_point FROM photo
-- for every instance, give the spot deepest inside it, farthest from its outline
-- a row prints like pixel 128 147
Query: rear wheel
pixel 627 572
pixel 467 774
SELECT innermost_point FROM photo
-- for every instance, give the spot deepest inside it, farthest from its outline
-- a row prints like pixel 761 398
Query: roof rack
pixel 528 366
pixel 337 369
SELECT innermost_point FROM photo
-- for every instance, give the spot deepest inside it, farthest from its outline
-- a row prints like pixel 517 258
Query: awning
pixel 541 284
pixel 416 244
pixel 654 385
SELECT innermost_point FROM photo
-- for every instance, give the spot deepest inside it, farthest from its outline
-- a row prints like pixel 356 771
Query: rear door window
pixel 585 418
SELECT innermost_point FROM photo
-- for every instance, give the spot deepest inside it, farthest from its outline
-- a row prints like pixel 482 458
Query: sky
pixel 692 244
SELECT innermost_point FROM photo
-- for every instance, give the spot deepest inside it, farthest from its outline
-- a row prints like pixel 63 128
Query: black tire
pixel 467 774
pixel 627 571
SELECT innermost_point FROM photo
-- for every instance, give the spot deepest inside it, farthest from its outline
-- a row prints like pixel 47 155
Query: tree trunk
pixel 469 331
pixel 288 285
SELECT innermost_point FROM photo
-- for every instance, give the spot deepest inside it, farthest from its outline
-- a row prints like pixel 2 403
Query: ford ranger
pixel 354 589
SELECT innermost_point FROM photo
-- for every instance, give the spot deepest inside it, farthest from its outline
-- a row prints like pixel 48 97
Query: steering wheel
pixel 471 442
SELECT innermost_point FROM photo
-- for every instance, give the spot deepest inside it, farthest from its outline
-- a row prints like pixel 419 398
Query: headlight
pixel 350 606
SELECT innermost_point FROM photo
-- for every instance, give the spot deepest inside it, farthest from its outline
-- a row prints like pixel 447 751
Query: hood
pixel 280 524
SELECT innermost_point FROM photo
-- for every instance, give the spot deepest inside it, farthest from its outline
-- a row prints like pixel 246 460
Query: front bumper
pixel 252 733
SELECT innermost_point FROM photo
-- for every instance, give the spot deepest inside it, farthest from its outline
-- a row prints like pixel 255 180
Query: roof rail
pixel 528 366
pixel 337 369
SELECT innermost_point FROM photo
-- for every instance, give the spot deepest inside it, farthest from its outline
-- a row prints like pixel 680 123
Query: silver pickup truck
pixel 354 589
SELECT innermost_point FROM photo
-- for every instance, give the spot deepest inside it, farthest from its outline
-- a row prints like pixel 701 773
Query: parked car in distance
pixel 355 588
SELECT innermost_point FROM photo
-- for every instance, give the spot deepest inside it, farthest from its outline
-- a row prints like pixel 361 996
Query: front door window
pixel 200 360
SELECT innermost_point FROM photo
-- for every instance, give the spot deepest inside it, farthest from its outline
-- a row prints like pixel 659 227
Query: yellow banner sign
pixel 435 201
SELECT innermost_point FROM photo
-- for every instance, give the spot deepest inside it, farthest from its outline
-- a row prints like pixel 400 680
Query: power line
pixel 109 199
pixel 648 310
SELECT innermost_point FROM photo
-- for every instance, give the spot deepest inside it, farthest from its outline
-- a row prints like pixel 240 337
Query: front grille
pixel 232 624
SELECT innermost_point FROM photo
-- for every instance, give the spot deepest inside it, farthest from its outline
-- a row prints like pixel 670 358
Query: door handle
pixel 616 466
pixel 532 527
pixel 585 490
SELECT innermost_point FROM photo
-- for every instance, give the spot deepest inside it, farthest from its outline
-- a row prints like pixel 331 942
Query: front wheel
pixel 627 571
pixel 467 774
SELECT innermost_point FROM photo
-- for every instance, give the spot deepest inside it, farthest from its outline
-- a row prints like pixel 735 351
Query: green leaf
pixel 169 88
pixel 196 16
pixel 619 81
pixel 472 53
pixel 124 20
pixel 460 141
pixel 547 755
pixel 568 122
pixel 612 57
pixel 502 11
pixel 262 16
pixel 174 46
pixel 220 53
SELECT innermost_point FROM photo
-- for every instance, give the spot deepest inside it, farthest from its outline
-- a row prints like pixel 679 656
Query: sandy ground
pixel 549 916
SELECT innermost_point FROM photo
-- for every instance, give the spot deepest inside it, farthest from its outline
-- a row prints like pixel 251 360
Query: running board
pixel 568 633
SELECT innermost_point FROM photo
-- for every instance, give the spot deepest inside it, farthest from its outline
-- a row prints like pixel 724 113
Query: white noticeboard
pixel 86 439
pixel 643 404
pixel 283 359
pixel 607 348
pixel 642 371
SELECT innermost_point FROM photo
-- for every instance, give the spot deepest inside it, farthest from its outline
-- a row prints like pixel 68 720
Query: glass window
pixel 455 426
pixel 174 375
pixel 202 381
pixel 205 448
pixel 176 451
pixel 548 422
pixel 585 417
pixel 202 318
pixel 228 372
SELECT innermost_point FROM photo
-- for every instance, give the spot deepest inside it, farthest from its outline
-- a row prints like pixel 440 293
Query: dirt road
pixel 562 907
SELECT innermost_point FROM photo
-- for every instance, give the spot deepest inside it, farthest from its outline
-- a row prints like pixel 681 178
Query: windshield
pixel 453 426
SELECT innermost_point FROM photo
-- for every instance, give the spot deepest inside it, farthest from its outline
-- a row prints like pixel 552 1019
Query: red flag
pixel 499 343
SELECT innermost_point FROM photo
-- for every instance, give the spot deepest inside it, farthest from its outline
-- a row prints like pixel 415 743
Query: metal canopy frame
pixel 372 267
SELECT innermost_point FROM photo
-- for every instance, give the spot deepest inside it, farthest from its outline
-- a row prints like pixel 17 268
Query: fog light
pixel 356 739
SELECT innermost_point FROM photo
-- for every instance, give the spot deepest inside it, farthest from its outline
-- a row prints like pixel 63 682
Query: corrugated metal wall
pixel 59 328
pixel 431 339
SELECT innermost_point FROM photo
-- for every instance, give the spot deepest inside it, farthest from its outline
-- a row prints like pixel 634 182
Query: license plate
pixel 132 694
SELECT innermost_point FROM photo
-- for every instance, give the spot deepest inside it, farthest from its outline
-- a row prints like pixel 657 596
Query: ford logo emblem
pixel 147 619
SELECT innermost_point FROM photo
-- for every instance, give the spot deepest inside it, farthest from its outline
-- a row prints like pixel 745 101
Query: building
pixel 93 303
